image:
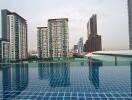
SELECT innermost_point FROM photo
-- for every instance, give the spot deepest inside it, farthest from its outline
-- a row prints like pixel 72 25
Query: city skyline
pixel 112 19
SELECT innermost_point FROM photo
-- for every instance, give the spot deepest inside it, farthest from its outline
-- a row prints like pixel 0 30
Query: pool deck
pixel 121 53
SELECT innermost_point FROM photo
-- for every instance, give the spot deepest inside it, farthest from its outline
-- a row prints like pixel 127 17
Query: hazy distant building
pixel 75 49
pixel 14 29
pixel 93 42
pixel 130 22
pixel 4 51
pixel 80 46
pixel 43 42
pixel 58 37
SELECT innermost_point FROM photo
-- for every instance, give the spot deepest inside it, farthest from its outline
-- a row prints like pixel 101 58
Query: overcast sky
pixel 112 18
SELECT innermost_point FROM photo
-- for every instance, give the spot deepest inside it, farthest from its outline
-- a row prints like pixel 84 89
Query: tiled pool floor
pixel 66 81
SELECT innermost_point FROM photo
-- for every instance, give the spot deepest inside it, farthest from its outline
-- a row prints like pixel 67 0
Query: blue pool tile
pixel 80 94
pixel 61 94
pixel 88 95
pixel 19 97
pixel 68 94
pixel 46 98
pixel 104 98
pixel 96 99
pixel 95 95
pixel 67 98
pixel 74 98
pixel 124 95
pixel 59 98
pixel 89 99
pixel 109 95
pixel 119 98
pixel 54 94
pixel 53 98
pixel 127 98
pixel 81 98
pixel 116 95
pixel 33 97
pixel 48 94
pixel 26 97
pixel 112 98
pixel 74 94
pixel 101 95
pixel 42 94
pixel 39 98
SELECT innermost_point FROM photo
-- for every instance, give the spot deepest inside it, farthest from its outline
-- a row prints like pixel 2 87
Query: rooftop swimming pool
pixel 93 79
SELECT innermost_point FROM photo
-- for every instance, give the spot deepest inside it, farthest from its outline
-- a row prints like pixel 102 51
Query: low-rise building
pixel 80 46
pixel 4 51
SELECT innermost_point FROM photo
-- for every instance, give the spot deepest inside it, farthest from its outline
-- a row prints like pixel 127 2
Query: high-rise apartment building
pixel 80 46
pixel 43 42
pixel 130 22
pixel 58 37
pixel 93 42
pixel 14 29
pixel 4 51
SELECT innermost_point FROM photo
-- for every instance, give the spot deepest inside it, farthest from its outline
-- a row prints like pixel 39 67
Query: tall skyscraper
pixel 80 46
pixel 14 29
pixel 92 25
pixel 93 42
pixel 58 37
pixel 43 42
pixel 130 23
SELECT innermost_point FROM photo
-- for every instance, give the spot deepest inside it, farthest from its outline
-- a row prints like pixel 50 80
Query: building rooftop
pixel 41 27
pixel 58 19
pixel 14 13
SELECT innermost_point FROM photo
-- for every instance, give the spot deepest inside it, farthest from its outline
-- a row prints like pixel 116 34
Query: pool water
pixel 80 80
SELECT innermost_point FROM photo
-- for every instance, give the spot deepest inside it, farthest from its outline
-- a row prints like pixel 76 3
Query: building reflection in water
pixel 43 70
pixel 59 75
pixel 94 71
pixel 15 80
pixel 82 63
